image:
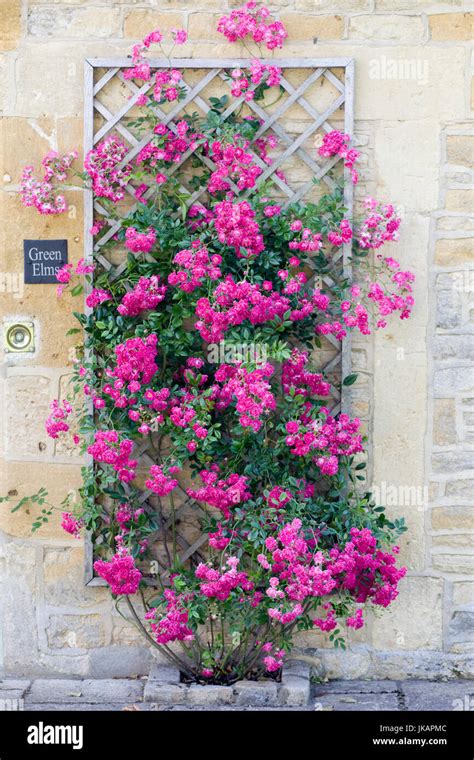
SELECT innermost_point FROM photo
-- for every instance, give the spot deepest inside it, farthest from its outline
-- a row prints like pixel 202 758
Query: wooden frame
pixel 318 67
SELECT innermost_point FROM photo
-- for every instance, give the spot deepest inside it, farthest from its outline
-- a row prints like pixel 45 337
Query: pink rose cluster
pixel 109 450
pixel 219 585
pixel 257 73
pixel 141 68
pixel 102 164
pixel 120 573
pixel 326 440
pixel 139 242
pixel 56 422
pixel 174 625
pixel 42 194
pixel 234 164
pixel 221 493
pixel 147 294
pixel 236 227
pixel 253 20
pixel 234 302
pixel 196 265
pixel 295 378
pixel 336 143
pixel 380 226
pixel 251 392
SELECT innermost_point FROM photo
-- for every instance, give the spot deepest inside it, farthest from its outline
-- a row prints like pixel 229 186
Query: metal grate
pixel 317 97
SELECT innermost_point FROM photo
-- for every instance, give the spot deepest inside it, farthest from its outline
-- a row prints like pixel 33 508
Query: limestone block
pixel 98 21
pixel 119 662
pixel 463 593
pixel 448 309
pixel 86 691
pixel 256 693
pixel 23 142
pixel 414 5
pixel 414 619
pixel 139 22
pixel 452 380
pixel 453 223
pixel 403 82
pixel 333 5
pixel 461 627
pixel 460 564
pixel 455 518
pixel 302 27
pixel 63 574
pixel 209 695
pixel 57 90
pixel 27 406
pixel 451 26
pixel 10 27
pixel 452 461
pixel 407 156
pixel 461 488
pixel 19 590
pixel 403 28
pixel 453 541
pixel 460 149
pixel 444 425
pixel 76 631
pixel 454 251
pixel 19 479
pixel 460 200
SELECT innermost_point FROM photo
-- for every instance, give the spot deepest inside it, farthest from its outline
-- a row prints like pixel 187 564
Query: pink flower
pixel 71 525
pixel 120 573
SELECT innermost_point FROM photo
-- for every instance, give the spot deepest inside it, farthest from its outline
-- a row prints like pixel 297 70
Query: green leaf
pixel 350 379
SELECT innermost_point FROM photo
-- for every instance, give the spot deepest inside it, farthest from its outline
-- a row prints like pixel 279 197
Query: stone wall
pixel 414 100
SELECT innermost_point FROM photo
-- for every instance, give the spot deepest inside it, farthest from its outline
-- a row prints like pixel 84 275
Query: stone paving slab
pixel 52 694
pixel 356 703
pixel 427 695
pixel 355 687
pixel 85 691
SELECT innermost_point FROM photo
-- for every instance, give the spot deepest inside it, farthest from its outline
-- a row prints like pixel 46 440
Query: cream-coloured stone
pixel 454 252
pixel 20 479
pixel 319 6
pixel 402 83
pixel 400 28
pixel 459 564
pixel 10 24
pixel 451 26
pixel 463 593
pixel 24 142
pixel 406 155
pixel 418 5
pixel 63 575
pixel 460 200
pixel 138 22
pixel 460 488
pixel 19 592
pixel 460 149
pixel 444 424
pixel 455 541
pixel 302 27
pixel 57 90
pixel 76 631
pixel 99 21
pixel 455 518
pixel 455 222
pixel 414 619
pixel 27 406
pixel 6 65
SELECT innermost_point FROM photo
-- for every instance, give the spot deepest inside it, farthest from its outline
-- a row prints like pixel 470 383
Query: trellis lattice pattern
pixel 317 97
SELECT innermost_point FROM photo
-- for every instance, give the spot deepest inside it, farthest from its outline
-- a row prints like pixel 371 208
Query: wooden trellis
pixel 317 97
